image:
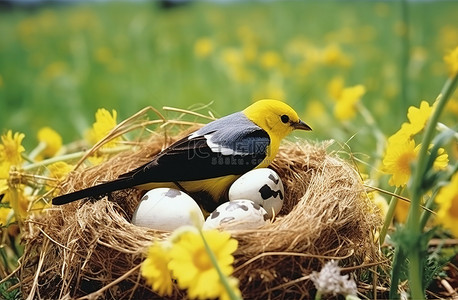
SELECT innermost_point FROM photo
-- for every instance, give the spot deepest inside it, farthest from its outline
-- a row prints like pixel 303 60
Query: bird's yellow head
pixel 275 117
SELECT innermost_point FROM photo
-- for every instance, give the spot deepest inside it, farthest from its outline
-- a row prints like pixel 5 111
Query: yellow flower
pixel 5 215
pixel 400 153
pixel 51 140
pixel 233 285
pixel 232 56
pixel 104 123
pixel 332 55
pixel 11 147
pixel 155 269
pixel 402 210
pixel 452 106
pixel 59 170
pixel 447 199
pixel 451 60
pixel 17 200
pixel 418 117
pixel 335 87
pixel 441 161
pixel 270 60
pixel 345 108
pixel 192 266
pixel 203 47
pixel 379 201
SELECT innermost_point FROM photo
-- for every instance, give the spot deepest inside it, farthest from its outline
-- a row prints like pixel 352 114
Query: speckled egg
pixel 166 209
pixel 262 186
pixel 237 214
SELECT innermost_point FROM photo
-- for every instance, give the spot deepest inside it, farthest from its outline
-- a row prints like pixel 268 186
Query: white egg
pixel 262 186
pixel 237 214
pixel 166 209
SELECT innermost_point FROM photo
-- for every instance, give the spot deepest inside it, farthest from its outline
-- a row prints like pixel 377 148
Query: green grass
pixel 59 64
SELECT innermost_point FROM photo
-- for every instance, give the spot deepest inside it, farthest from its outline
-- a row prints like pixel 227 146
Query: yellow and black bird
pixel 209 160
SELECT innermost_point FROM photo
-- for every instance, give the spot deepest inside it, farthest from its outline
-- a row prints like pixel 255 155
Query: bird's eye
pixel 285 119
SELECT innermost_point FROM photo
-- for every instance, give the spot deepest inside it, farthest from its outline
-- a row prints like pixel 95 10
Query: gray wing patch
pixel 234 134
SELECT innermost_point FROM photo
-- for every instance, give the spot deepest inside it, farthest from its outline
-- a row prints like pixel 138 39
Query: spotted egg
pixel 237 214
pixel 262 186
pixel 166 209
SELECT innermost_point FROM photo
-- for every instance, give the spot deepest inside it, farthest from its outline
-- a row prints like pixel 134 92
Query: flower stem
pixel 389 215
pixel 70 156
pixel 413 225
pixel 398 260
pixel 221 275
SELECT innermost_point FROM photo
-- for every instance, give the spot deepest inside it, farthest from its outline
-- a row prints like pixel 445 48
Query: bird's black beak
pixel 301 126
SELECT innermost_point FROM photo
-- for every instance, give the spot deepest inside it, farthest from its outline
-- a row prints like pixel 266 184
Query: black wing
pixel 193 159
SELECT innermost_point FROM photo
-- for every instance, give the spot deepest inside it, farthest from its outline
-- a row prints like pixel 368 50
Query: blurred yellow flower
pixel 103 55
pixel 250 52
pixel 345 108
pixel 380 202
pixel 203 47
pixel 17 199
pixel 270 60
pixel 315 109
pixel 192 266
pixel 447 199
pixel 452 106
pixel 335 87
pixel 51 140
pixel 402 210
pixel 104 123
pixel 273 90
pixel 441 161
pixel 232 56
pixel 451 60
pixel 6 215
pixel 54 70
pixel 59 170
pixel 155 269
pixel 333 55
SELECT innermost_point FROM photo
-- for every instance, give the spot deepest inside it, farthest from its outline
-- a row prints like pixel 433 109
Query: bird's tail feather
pixel 94 191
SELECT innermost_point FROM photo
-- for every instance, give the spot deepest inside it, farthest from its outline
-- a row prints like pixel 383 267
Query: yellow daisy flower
pixel 192 266
pixel 155 269
pixel 401 152
pixel 104 123
pixel 447 199
pixel 399 155
pixel 418 117
pixel 52 141
pixel 11 147
pixel 451 60
pixel 345 108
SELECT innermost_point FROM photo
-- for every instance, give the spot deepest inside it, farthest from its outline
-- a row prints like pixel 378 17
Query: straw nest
pixel 89 249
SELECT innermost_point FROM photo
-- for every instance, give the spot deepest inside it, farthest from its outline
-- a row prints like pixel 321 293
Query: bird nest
pixel 89 249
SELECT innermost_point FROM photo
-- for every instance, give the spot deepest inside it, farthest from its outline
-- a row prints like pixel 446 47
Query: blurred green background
pixel 59 63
